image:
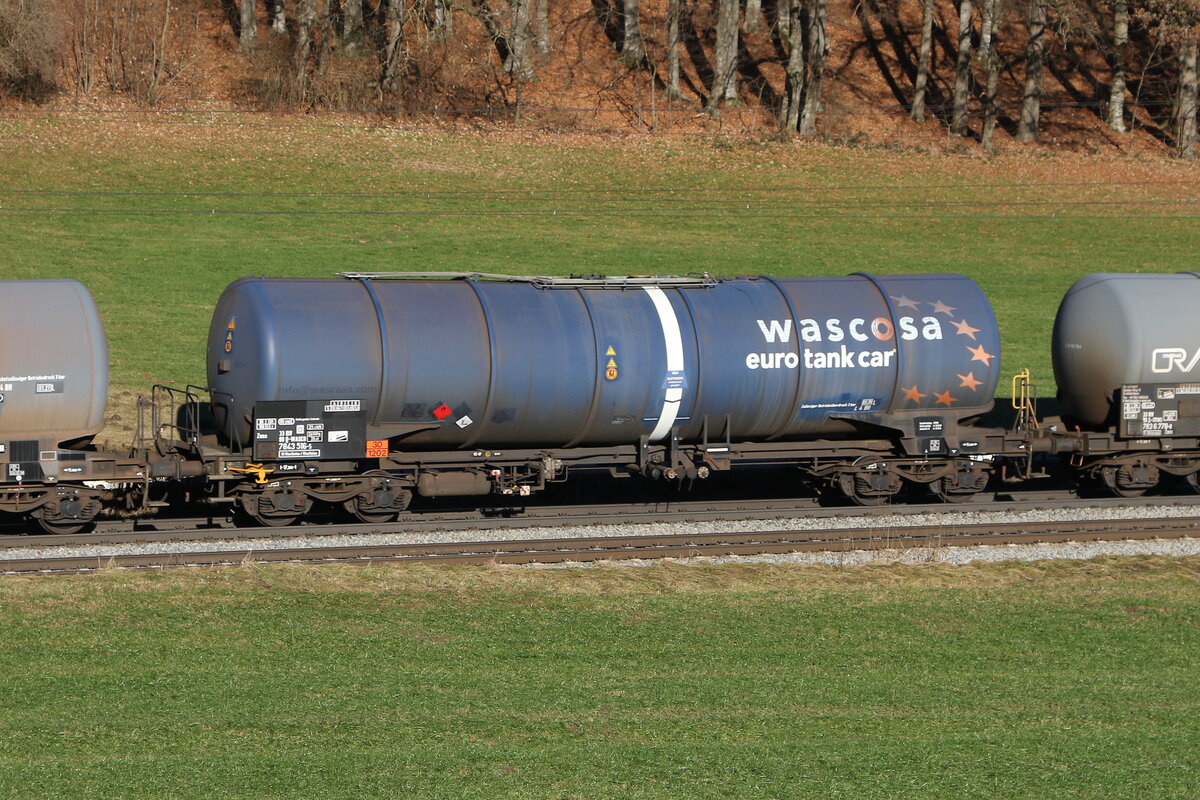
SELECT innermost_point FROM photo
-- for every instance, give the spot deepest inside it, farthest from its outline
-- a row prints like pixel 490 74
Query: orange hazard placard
pixel 377 448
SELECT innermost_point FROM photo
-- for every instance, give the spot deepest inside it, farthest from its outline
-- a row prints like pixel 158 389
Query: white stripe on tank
pixel 674 342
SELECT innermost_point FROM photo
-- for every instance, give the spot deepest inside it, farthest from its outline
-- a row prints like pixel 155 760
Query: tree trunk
pixel 794 92
pixel 276 15
pixel 306 16
pixel 1116 93
pixel 753 20
pixel 817 47
pixel 352 23
pixel 519 63
pixel 443 19
pixel 1186 142
pixel 633 49
pixel 723 85
pixel 674 9
pixel 962 71
pixel 247 24
pixel 918 103
pixel 1031 107
pixel 991 45
pixel 393 36
pixel 541 24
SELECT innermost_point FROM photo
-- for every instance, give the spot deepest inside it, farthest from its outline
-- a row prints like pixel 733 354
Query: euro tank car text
pixel 835 331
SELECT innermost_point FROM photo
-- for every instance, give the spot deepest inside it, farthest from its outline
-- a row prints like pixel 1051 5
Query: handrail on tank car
pixel 186 425
pixel 703 280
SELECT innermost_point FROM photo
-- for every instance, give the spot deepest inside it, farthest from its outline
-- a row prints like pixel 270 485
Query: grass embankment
pixel 1035 681
pixel 1015 681
pixel 158 216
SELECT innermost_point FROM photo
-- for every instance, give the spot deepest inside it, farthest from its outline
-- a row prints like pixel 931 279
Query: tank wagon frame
pixel 865 471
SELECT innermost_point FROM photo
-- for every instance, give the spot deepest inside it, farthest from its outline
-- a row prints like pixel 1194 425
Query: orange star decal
pixel 913 394
pixel 944 398
pixel 904 302
pixel 979 354
pixel 941 308
pixel 965 329
pixel 969 381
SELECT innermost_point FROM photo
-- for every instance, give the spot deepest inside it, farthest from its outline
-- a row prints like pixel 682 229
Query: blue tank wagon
pixel 654 375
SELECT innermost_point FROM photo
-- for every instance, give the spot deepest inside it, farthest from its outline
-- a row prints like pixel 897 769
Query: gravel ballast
pixel 946 554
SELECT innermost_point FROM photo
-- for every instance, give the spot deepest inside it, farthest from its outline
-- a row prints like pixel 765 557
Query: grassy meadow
pixel 1013 681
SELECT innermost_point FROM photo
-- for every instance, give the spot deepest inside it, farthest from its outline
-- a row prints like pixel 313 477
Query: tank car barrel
pixel 464 363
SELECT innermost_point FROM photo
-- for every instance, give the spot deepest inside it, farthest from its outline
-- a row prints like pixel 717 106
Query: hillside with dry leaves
pixel 457 63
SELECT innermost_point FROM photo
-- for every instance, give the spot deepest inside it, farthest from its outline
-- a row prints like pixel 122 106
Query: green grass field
pixel 1054 680
pixel 1013 681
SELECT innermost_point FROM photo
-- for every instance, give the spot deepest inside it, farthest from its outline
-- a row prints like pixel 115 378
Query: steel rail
pixel 155 530
pixel 546 551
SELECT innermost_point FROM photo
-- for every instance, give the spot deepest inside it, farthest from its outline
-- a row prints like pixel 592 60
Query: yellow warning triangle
pixel 608 352
pixel 233 323
pixel 612 362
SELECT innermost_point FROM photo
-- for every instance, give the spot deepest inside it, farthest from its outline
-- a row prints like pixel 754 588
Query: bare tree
pixel 723 88
pixel 1116 93
pixel 793 99
pixel 276 14
pixel 247 24
pixel 306 17
pixel 633 48
pixel 394 12
pixel 753 16
pixel 443 19
pixel 817 47
pixel 918 103
pixel 962 72
pixel 989 53
pixel 1185 144
pixel 352 23
pixel 541 24
pixel 1031 106
pixel 674 10
pixel 519 63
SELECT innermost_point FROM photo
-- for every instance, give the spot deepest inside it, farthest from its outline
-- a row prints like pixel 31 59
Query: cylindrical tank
pixel 53 363
pixel 560 362
pixel 1118 328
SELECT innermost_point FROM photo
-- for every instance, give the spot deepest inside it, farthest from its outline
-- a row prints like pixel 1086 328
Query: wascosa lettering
pixel 1169 359
pixel 835 330
pixel 860 330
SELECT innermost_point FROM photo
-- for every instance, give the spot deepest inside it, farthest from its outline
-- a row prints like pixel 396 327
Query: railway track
pixel 546 551
pixel 179 529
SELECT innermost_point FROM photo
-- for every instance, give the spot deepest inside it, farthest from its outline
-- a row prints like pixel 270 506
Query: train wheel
pixel 67 515
pixel 367 513
pixel 279 509
pixel 946 490
pixel 1129 480
pixel 61 527
pixel 873 488
pixel 962 485
pixel 1193 480
pixel 382 504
